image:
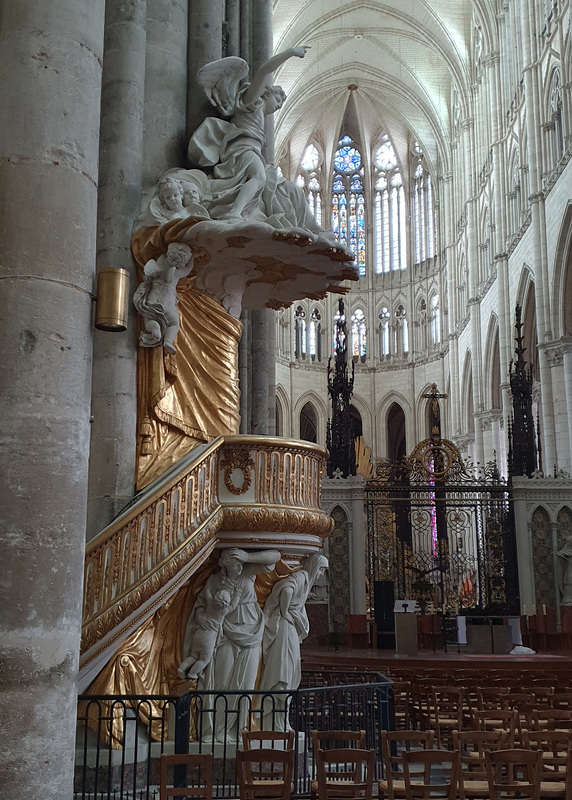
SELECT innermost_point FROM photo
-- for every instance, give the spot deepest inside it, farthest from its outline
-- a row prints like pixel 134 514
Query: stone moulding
pixel 133 563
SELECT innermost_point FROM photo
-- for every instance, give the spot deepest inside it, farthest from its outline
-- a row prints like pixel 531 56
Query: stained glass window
pixel 337 316
pixel 348 200
pixel 300 332
pixel 390 217
pixel 358 335
pixel 314 336
pixel 423 210
pixel 310 182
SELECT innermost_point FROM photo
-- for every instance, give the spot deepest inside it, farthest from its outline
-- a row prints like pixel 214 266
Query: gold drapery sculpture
pixel 193 396
pixel 147 662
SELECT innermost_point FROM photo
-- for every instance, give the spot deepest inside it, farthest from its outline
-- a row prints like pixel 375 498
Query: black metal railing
pixel 121 738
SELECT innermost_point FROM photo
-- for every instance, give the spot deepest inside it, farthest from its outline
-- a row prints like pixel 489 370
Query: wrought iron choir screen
pixel 442 535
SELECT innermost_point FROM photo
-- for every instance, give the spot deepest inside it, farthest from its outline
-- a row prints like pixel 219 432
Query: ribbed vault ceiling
pixel 403 58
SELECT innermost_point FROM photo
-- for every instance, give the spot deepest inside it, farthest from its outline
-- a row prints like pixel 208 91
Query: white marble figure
pixel 564 572
pixel 176 196
pixel 286 627
pixel 235 662
pixel 156 298
pixel 208 623
pixel 168 204
pixel 243 186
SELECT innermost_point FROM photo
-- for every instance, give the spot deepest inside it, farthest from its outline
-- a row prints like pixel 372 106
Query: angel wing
pixel 221 80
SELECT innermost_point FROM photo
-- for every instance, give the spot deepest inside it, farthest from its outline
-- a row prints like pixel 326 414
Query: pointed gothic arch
pixel 493 395
pixel 468 419
pixel 396 433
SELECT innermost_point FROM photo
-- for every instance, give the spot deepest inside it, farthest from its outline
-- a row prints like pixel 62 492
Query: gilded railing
pixel 275 487
pixel 146 547
pixel 234 487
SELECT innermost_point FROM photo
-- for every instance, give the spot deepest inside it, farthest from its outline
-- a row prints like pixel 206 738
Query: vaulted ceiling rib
pixel 404 56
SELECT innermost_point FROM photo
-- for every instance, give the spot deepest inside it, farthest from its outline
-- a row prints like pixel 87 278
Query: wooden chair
pixel 472 746
pixel 491 697
pixel 552 719
pixel 561 700
pixel 328 740
pixel 513 774
pixel 199 775
pixel 500 720
pixel 393 784
pixel 556 775
pixel 345 773
pixel 275 739
pixel 265 774
pixel 431 774
pixel 402 704
pixel 422 701
pixel 446 713
pixel 523 703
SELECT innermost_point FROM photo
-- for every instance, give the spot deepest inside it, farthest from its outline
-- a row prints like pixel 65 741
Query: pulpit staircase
pixel 236 491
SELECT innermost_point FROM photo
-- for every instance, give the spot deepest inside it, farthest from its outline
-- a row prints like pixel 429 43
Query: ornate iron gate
pixel 443 536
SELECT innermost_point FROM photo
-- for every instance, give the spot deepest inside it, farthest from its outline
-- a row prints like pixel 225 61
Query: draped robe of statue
pixel 192 397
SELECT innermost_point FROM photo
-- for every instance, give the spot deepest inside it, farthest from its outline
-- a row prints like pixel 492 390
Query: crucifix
pixel 434 395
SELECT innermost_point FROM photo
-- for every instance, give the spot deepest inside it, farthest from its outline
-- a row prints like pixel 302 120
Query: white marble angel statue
pixel 242 185
pixel 286 626
pixel 156 298
pixel 206 632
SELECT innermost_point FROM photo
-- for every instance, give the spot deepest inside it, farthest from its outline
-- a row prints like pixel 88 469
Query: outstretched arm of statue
pixel 263 72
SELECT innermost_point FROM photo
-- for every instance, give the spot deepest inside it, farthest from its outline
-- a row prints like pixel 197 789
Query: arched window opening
pixel 358 335
pixel 422 325
pixel 279 419
pixel 435 320
pixel 348 200
pixel 555 123
pixel 469 407
pixel 356 422
pixel 423 209
pixel 496 394
pixel 310 180
pixel 309 424
pixel 384 318
pixel 315 336
pixel 485 247
pixel 300 332
pixel 401 331
pixel 390 215
pixel 530 333
pixel 515 195
pixel 396 448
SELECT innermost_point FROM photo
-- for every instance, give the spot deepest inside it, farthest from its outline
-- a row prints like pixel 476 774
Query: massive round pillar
pixel 50 79
pixel 114 398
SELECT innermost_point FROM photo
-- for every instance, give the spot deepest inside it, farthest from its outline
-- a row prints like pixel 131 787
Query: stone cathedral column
pixel 532 79
pixel 50 82
pixel 166 83
pixel 114 395
pixel 205 44
pixel 263 320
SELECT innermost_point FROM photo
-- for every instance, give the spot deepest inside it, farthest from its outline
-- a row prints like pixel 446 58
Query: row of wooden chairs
pixel 265 764
pixel 426 706
pixel 474 759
